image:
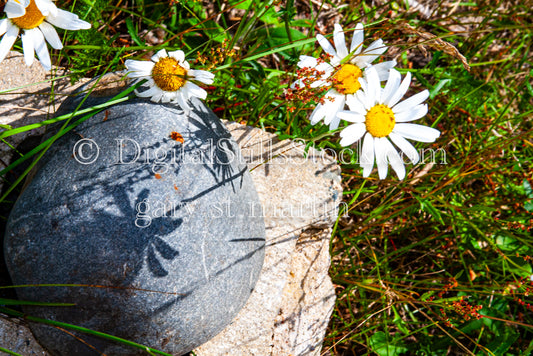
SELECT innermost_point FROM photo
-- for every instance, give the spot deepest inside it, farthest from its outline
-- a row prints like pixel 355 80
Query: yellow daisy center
pixel 346 80
pixel 168 75
pixel 31 19
pixel 380 120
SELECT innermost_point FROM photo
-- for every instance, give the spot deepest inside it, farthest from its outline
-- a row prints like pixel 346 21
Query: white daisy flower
pixel 343 71
pixel 378 115
pixel 36 18
pixel 168 77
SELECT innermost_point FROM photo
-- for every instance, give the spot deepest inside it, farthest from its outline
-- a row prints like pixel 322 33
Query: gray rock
pixel 162 236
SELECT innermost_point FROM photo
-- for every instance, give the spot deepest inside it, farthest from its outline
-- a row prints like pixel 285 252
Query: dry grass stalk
pixel 433 41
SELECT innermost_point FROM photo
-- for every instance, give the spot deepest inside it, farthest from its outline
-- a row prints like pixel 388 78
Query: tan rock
pixel 16 337
pixel 288 312
pixel 28 95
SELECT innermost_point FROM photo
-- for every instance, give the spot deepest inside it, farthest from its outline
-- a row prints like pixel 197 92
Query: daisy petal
pixel 202 76
pixel 160 54
pixel 357 39
pixel 67 21
pixel 355 105
pixel 371 53
pixel 367 155
pixel 335 120
pixel 142 68
pixel 15 8
pixel 137 80
pixel 340 42
pixel 326 68
pixel 307 61
pixel 8 40
pixel 334 123
pixel 326 46
pixel 46 7
pixel 317 114
pixel 50 35
pixel 178 55
pixel 351 116
pixel 148 93
pixel 392 85
pixel 298 84
pixel 326 110
pixel 167 96
pixel 363 81
pixel 374 86
pixel 394 159
pixel 27 46
pixel 363 99
pixel 334 102
pixel 380 146
pixel 40 49
pixel 194 90
pixel 417 132
pixel 383 69
pixel 411 102
pixel 406 147
pixel 139 75
pixel 351 134
pixel 376 48
pixel 157 96
pixel 3 26
pixel 410 115
pixel 402 89
pixel 319 83
pixel 173 96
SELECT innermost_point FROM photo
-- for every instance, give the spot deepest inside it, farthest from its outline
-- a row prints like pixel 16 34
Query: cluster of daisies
pixel 376 114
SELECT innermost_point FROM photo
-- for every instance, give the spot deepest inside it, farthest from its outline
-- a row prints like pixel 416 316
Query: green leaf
pixel 4 301
pixel 270 17
pixel 9 352
pixel 302 23
pixel 241 5
pixel 133 32
pixel 426 206
pixel 520 267
pixel 509 244
pixel 398 321
pixel 528 84
pixel 383 347
pixel 505 338
pixel 278 36
pixel 527 189
pixel 437 88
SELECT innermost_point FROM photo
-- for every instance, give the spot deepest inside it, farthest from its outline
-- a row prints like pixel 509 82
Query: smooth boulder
pixel 154 218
